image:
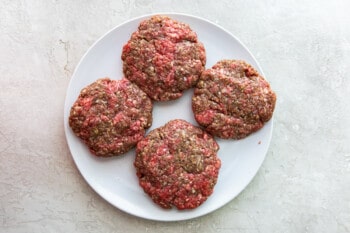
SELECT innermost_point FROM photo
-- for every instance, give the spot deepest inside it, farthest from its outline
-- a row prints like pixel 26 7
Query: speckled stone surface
pixel 304 50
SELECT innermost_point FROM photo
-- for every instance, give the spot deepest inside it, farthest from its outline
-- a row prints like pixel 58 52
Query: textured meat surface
pixel 177 165
pixel 111 116
pixel 163 57
pixel 232 100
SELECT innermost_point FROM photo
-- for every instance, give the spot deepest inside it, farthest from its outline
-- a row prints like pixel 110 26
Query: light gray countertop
pixel 303 48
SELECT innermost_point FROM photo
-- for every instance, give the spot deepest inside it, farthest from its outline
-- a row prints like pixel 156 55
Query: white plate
pixel 115 178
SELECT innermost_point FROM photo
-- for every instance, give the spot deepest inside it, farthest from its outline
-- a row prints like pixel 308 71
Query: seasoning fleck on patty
pixel 163 57
pixel 111 116
pixel 177 165
pixel 232 100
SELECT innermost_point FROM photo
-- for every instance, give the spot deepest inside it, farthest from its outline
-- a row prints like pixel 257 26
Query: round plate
pixel 115 178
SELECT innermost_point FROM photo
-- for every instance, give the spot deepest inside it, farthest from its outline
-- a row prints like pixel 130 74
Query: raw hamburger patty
pixel 163 57
pixel 177 165
pixel 111 116
pixel 232 100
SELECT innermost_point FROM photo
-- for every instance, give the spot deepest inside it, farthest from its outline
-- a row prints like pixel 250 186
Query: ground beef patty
pixel 232 100
pixel 177 165
pixel 111 116
pixel 163 57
